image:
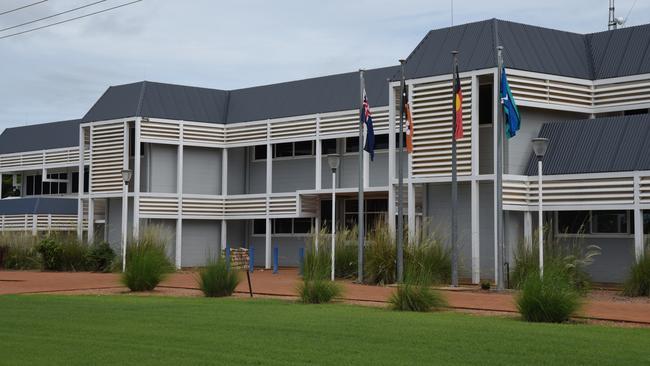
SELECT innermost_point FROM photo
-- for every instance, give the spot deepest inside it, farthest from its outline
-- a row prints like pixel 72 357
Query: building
pixel 248 167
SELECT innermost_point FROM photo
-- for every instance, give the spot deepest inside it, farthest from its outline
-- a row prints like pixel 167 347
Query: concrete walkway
pixel 285 283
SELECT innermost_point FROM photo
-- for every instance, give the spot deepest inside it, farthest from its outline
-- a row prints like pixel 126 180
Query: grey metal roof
pixel 38 205
pixel 38 137
pixel 159 100
pixel 317 95
pixel 294 98
pixel 607 54
pixel 609 144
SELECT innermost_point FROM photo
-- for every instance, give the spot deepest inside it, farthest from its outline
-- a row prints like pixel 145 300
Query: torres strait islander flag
pixel 458 107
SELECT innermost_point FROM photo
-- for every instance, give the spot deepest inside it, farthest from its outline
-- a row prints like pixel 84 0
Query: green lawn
pixel 86 330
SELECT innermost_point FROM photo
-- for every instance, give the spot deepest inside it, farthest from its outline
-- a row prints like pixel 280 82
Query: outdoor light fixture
pixel 333 160
pixel 540 145
pixel 127 174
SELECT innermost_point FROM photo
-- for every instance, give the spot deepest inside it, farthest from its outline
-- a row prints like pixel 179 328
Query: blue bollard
pixel 251 259
pixel 301 261
pixel 228 255
pixel 276 254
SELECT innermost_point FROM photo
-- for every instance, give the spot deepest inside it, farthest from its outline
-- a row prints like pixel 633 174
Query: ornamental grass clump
pixel 571 256
pixel 346 253
pixel 62 252
pixel 638 280
pixel 551 298
pixel 18 251
pixel 316 286
pixel 100 257
pixel 380 255
pixel 427 252
pixel 217 279
pixel 147 263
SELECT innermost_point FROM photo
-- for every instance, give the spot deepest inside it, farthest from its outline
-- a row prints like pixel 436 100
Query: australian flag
pixel 366 118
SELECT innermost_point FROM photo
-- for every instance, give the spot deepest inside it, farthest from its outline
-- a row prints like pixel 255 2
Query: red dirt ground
pixel 600 305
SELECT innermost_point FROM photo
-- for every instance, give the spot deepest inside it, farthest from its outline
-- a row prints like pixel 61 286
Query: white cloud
pixel 59 72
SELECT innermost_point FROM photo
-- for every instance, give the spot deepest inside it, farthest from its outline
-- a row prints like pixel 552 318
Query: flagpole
pixel 361 227
pixel 454 179
pixel 499 178
pixel 400 182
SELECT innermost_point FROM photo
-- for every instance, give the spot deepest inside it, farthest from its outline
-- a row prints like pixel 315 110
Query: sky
pixel 58 73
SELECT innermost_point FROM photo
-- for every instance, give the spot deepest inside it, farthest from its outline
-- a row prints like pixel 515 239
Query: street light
pixel 540 145
pixel 333 160
pixel 127 174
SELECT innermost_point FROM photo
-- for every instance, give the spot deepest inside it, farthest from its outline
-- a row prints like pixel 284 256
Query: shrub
pixel 346 253
pixel 19 251
pixel 147 263
pixel 100 257
pixel 416 294
pixel 429 256
pixel 571 257
pixel 551 298
pixel 318 261
pixel 380 255
pixel 216 279
pixel 486 285
pixel 62 252
pixel 638 280
pixel 318 291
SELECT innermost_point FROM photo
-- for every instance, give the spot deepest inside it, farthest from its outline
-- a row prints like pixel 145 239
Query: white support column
pixel 638 219
pixel 34 225
pixel 391 159
pixel 318 184
pixel 91 220
pixel 136 179
pixel 528 229
pixel 410 199
pixel 1 185
pixel 269 190
pixel 179 190
pixel 224 192
pixel 80 203
pixel 476 234
pixel 475 208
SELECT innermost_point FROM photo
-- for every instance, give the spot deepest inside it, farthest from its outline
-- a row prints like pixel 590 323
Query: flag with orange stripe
pixel 458 107
pixel 409 122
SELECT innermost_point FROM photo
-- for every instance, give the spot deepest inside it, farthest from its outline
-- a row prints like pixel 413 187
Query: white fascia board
pixel 554 106
pixel 622 79
pixel 620 107
pixel 108 122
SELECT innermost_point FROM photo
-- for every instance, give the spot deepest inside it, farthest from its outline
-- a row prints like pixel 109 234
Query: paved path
pixel 285 283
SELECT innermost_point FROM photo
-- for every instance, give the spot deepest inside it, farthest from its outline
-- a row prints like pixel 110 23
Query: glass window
pixel 259 226
pixel 302 225
pixel 38 184
pixel 63 188
pixel 86 180
pixel 46 187
pixel 260 152
pixel 609 222
pixel 573 222
pixel 485 95
pixel 283 150
pixel 29 186
pixel 352 144
pixel 282 226
pixel 381 142
pixel 326 214
pixel 328 146
pixel 303 148
pixel 75 182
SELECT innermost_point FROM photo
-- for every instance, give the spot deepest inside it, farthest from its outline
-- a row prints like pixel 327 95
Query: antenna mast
pixel 611 22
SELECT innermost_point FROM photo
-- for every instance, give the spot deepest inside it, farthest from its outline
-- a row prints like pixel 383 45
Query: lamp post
pixel 126 177
pixel 539 148
pixel 333 160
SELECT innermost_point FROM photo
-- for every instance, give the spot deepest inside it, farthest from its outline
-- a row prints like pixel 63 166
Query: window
pixel 56 183
pixel 283 150
pixel 609 222
pixel 282 226
pixel 485 102
pixel 573 222
pixel 328 146
pixel 375 209
pixel 286 226
pixel 351 144
pixel 381 143
pixel 302 148
pixel 596 222
pixel 260 152
pixel 636 111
